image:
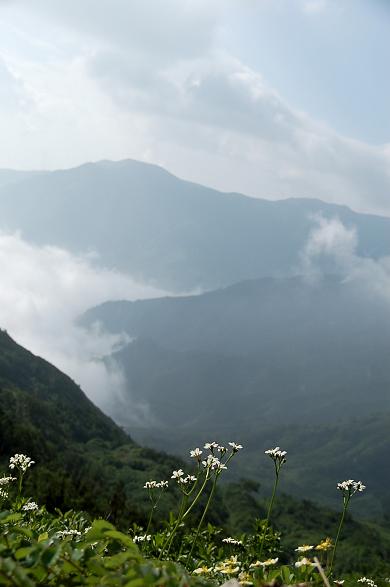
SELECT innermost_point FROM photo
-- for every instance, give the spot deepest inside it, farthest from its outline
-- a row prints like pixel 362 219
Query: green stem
pixel 20 483
pixel 168 542
pixel 270 506
pixel 150 517
pixel 203 517
pixel 196 499
pixel 346 502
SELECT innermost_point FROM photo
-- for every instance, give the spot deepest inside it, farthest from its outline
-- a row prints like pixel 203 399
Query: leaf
pixel 126 540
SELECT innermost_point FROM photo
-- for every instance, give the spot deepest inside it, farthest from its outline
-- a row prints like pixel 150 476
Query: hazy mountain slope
pixel 179 235
pixel 77 448
pixel 8 176
pixel 257 344
pixel 266 361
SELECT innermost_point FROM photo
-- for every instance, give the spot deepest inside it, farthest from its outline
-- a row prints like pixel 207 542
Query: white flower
pixel 21 462
pixel 235 447
pixel 277 455
pixel 213 463
pixel 6 480
pixel 350 487
pixel 188 479
pixel 31 506
pixel 304 562
pixel 304 548
pixel 195 453
pixel 3 494
pixel 210 445
pixel 161 484
pixel 267 563
pixel 232 541
pixel 339 581
pixel 150 485
pixel 155 484
pixel 177 474
pixel 146 537
pixel 202 570
pixel 221 449
pixel 369 582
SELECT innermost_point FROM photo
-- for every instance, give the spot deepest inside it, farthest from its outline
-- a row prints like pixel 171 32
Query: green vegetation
pixel 85 463
pixel 39 548
pixel 275 360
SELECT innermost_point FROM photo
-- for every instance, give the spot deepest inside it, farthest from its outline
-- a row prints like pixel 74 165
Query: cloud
pixel 42 291
pixel 331 244
pixel 154 81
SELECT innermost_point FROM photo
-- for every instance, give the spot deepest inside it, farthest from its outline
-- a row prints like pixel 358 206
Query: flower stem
pixel 270 506
pixel 203 517
pixel 346 502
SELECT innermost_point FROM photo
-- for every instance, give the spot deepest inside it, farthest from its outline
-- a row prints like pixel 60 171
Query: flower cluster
pixel 230 566
pixel 277 455
pixel 232 541
pixel 267 563
pixel 31 506
pixel 142 538
pixel 304 548
pixel 305 562
pixel 368 582
pixel 325 545
pixel 187 479
pixel 155 484
pixel 6 480
pixel 212 463
pixel 181 478
pixel 350 487
pixel 21 462
pixel 203 570
pixel 196 454
pixel 3 494
pixel 177 474
pixel 235 447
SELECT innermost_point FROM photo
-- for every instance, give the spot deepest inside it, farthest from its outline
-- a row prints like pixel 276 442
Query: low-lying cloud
pixel 332 244
pixel 42 292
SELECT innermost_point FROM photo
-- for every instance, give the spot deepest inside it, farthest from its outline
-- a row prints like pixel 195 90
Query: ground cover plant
pixel 38 547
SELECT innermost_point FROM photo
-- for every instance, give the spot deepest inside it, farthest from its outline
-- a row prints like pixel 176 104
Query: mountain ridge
pixel 178 235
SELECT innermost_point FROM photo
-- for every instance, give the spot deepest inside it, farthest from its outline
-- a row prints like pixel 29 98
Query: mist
pixel 331 243
pixel 43 291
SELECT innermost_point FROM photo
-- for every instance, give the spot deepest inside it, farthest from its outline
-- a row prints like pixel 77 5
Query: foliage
pixel 40 548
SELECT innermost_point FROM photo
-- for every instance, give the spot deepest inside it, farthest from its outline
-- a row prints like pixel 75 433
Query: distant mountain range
pixel 266 357
pixel 178 235
pixel 265 361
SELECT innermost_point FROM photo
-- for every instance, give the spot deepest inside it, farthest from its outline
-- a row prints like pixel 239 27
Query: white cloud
pixel 42 292
pixel 152 81
pixel 331 240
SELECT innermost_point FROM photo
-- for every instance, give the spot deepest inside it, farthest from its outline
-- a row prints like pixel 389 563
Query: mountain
pixel 178 235
pixel 83 460
pixel 258 344
pixel 78 449
pixel 265 361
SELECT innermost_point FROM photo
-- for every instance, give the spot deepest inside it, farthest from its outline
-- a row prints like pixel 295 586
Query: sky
pixel 272 98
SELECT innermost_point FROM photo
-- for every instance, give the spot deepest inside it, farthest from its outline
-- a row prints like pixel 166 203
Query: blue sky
pixel 330 59
pixel 272 98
